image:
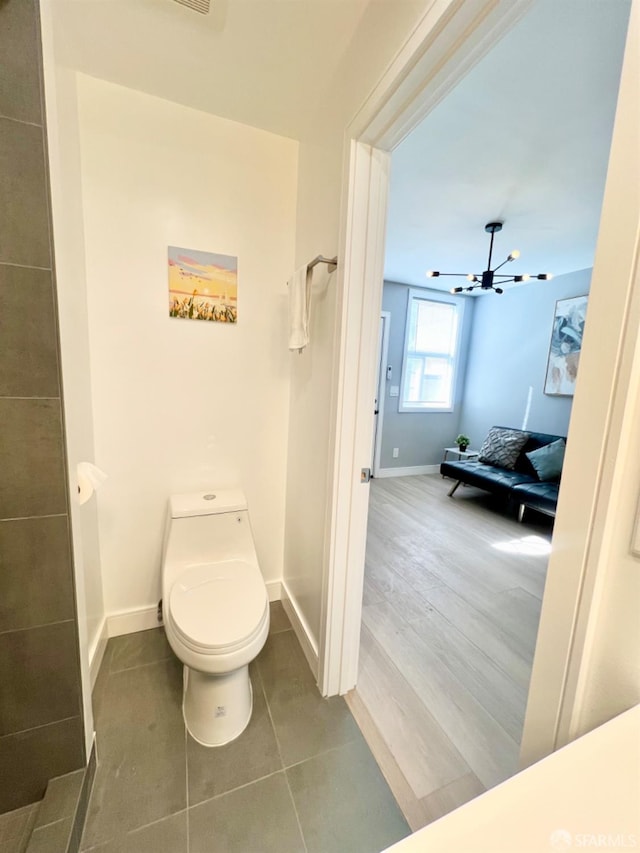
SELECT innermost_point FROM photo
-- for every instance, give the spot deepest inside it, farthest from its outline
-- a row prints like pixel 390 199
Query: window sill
pixel 425 410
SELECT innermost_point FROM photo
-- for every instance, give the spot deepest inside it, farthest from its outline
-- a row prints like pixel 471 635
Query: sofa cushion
pixel 500 481
pixel 502 447
pixel 547 460
pixel 540 496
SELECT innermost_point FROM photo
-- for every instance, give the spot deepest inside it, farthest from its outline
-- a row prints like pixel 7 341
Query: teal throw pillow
pixel 548 460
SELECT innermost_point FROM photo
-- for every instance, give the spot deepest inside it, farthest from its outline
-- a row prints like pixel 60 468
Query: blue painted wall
pixel 420 437
pixel 508 354
pixel 505 344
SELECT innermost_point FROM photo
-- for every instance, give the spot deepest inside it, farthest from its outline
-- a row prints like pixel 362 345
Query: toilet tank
pixel 213 502
pixel 206 527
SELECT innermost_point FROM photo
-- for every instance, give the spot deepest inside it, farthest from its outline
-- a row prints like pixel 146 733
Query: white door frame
pixel 450 38
pixel 381 390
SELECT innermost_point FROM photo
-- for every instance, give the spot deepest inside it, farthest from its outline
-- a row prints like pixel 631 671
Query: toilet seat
pixel 217 608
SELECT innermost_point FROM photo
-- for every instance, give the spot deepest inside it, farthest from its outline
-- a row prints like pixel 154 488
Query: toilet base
pixel 216 708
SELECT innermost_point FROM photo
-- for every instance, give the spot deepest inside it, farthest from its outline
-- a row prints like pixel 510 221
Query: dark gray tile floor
pixel 16 828
pixel 55 819
pixel 300 778
pixel 46 826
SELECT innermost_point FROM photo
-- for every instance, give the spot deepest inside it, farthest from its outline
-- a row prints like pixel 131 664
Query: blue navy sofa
pixel 521 486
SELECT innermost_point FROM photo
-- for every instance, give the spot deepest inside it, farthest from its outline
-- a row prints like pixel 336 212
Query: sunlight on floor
pixel 532 545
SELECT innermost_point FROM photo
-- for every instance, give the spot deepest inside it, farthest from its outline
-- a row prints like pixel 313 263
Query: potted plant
pixel 463 442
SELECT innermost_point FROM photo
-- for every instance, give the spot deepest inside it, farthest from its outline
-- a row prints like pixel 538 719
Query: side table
pixel 462 454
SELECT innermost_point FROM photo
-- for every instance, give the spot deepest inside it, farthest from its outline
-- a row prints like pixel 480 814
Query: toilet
pixel 215 609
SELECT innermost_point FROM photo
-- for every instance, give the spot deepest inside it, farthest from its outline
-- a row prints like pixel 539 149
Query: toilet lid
pixel 218 605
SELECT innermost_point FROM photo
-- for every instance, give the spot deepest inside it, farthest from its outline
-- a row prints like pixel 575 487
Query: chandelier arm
pixel 485 279
pixel 506 261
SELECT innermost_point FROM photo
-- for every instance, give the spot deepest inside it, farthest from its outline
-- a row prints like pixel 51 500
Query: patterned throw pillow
pixel 502 447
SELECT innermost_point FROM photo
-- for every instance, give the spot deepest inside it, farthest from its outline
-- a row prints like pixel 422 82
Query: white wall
pixel 382 30
pixel 508 355
pixel 608 677
pixel 66 201
pixel 594 673
pixel 308 459
pixel 182 405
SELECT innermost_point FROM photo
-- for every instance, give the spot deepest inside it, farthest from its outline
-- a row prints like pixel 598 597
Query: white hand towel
pixel 299 308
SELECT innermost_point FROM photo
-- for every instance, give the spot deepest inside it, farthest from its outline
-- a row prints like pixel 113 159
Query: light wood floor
pixel 452 596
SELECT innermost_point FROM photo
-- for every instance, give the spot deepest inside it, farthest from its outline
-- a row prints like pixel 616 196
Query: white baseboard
pixel 274 590
pixel 96 652
pixel 301 629
pixel 130 621
pixel 409 471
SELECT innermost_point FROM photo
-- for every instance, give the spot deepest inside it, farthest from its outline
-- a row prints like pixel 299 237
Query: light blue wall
pixel 505 344
pixel 420 437
pixel 508 353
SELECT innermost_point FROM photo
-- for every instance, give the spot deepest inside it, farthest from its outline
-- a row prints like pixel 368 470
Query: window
pixel 430 354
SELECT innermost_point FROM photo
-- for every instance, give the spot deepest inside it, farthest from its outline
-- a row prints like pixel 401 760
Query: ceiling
pixel 524 139
pixel 265 63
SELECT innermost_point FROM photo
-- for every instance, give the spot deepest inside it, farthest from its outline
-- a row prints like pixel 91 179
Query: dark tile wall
pixel 41 730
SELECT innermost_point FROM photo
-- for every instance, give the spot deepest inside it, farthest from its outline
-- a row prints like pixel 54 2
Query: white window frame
pixel 458 305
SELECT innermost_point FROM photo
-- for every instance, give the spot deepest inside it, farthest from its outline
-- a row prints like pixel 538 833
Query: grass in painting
pixel 197 308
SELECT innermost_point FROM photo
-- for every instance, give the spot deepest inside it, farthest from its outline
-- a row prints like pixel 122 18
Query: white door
pixel 381 389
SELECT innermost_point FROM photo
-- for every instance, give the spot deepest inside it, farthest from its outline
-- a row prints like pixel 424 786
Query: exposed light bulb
pixel 545 276
pixel 432 274
pixel 514 255
pixel 456 290
pixel 471 277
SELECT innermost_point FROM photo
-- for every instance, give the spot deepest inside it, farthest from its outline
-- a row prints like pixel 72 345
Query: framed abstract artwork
pixel 566 343
pixel 203 285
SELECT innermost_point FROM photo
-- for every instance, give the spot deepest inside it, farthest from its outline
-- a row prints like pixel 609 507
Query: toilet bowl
pixel 215 609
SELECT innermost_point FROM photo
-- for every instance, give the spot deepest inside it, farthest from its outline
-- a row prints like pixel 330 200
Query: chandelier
pixel 490 279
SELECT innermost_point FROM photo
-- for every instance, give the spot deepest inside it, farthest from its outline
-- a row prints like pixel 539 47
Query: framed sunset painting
pixel 203 285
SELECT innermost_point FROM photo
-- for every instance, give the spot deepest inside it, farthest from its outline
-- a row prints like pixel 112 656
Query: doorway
pixel 453 585
pixel 416 82
pixel 384 376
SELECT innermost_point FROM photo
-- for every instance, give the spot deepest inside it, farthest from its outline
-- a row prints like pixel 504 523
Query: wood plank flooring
pixel 452 597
